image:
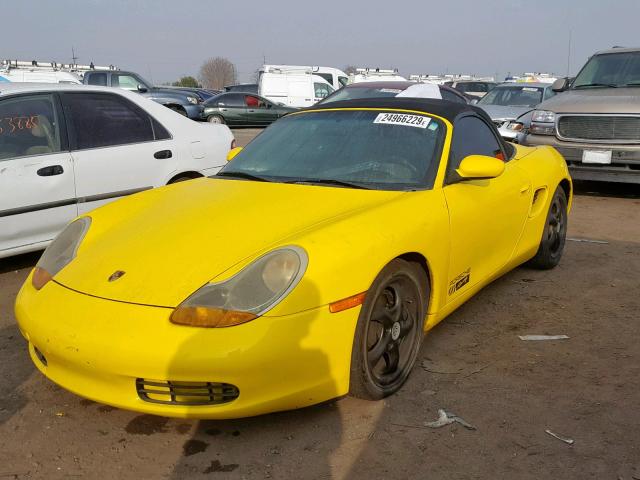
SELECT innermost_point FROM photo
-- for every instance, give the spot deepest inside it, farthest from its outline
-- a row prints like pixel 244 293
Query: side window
pixel 103 120
pixel 28 126
pixel 471 136
pixel 343 80
pixel 322 90
pixel 159 132
pixel 98 79
pixel 128 82
pixel 548 93
pixel 232 100
pixel 251 102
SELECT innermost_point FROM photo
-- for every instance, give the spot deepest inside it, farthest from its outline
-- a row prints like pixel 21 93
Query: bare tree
pixel 217 72
pixel 349 69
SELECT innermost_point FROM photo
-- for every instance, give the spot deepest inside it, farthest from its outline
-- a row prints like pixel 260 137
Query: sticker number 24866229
pixel 403 119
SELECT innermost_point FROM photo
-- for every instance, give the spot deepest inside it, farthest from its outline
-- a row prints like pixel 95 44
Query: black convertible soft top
pixel 441 108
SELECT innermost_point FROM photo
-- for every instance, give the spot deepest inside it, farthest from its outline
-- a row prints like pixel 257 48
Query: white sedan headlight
pixel 61 252
pixel 514 126
pixel 248 294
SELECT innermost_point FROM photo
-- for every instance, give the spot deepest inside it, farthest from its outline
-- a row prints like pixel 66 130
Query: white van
pixel 38 76
pixel 376 75
pixel 293 87
pixel 336 77
pixel 33 71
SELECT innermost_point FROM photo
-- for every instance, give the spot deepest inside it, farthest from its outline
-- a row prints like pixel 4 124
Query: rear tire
pixel 554 234
pixel 216 119
pixel 182 178
pixel 390 330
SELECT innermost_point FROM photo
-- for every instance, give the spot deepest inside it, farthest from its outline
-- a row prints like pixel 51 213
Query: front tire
pixel 554 234
pixel 216 119
pixel 390 330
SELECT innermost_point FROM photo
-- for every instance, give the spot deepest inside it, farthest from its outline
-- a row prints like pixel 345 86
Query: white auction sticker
pixel 403 119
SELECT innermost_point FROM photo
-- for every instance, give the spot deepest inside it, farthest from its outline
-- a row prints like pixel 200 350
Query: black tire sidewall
pixel 545 258
pixel 362 384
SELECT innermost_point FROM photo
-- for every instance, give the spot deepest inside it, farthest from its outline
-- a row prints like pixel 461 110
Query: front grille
pixel 185 393
pixel 599 127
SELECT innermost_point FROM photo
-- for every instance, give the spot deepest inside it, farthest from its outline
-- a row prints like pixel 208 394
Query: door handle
pixel 251 111
pixel 50 171
pixel 525 188
pixel 163 154
pixel 223 109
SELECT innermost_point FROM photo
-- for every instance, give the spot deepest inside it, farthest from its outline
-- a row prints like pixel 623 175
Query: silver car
pixel 510 105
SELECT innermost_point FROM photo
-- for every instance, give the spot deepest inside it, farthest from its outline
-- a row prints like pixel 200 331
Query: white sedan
pixel 67 149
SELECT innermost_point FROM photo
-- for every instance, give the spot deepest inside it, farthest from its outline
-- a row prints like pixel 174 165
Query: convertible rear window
pixel 374 149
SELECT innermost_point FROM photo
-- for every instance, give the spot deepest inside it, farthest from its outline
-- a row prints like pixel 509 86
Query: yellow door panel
pixel 486 220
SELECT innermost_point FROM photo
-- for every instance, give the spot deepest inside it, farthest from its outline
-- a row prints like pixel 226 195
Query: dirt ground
pixel 586 388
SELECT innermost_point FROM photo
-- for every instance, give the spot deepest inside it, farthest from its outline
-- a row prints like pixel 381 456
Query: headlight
pixel 59 254
pixel 542 129
pixel 543 116
pixel 248 294
pixel 515 126
pixel 193 100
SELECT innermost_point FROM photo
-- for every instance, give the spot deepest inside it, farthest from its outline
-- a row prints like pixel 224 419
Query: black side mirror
pixel 142 88
pixel 560 85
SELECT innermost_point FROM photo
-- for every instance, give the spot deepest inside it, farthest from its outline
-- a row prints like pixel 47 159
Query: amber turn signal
pixel 347 303
pixel 40 278
pixel 209 317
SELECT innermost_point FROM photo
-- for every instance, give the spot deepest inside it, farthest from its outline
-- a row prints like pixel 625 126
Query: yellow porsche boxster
pixel 308 268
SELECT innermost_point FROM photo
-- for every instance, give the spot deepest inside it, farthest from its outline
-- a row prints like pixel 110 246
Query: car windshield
pixel 360 149
pixel 467 87
pixel 513 96
pixel 354 93
pixel 615 70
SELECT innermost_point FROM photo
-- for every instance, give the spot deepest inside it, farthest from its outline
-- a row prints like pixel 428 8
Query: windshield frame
pixel 431 176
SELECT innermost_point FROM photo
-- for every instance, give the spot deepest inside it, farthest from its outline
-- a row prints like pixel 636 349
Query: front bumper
pixel 625 159
pixel 98 348
pixel 507 134
pixel 195 112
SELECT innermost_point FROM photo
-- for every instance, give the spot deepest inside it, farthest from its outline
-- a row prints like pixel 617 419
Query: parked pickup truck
pixel 595 123
pixel 183 103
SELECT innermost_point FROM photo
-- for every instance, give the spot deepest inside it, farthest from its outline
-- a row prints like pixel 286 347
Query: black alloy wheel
pixel 389 331
pixel 554 234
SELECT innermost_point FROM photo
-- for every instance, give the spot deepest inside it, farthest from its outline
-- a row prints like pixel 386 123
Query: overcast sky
pixel 163 40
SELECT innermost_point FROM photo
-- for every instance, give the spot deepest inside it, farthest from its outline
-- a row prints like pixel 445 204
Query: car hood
pixel 500 112
pixel 167 93
pixel 595 100
pixel 172 240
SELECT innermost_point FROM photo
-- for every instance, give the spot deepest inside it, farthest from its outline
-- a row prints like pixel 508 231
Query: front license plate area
pixel 599 157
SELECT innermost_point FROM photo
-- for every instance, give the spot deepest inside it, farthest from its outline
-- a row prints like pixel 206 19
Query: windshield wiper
pixel 586 85
pixel 330 181
pixel 244 175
